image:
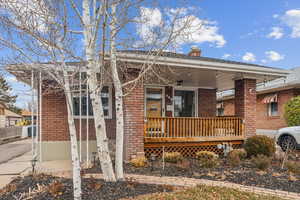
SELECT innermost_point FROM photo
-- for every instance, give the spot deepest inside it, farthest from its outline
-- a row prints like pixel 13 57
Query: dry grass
pixel 208 193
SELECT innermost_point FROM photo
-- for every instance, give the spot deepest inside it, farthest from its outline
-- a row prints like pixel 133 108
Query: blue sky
pixel 265 32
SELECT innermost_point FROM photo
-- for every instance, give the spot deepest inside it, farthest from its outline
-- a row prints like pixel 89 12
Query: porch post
pixel 245 104
pixel 134 122
pixel 207 101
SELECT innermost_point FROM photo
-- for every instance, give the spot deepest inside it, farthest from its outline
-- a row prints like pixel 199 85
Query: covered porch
pixel 181 115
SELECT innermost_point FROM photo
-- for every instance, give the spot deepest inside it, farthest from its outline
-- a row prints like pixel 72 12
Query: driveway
pixel 14 149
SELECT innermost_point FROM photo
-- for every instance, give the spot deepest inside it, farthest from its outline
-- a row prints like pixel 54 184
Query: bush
pixel 260 144
pixel 292 112
pixel 242 154
pixel 293 167
pixel 207 159
pixel 233 159
pixel 173 157
pixel 139 161
pixel 261 162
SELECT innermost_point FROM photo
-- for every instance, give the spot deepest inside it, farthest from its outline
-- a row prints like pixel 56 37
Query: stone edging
pixel 192 182
pixel 185 182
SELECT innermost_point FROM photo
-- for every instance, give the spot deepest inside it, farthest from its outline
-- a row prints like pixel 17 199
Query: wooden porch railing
pixel 180 129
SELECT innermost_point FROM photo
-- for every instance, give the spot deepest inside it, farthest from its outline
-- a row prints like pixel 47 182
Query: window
pixel 220 112
pixel 272 109
pixel 106 102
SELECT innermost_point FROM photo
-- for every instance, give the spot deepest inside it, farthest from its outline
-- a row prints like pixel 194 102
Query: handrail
pixel 193 127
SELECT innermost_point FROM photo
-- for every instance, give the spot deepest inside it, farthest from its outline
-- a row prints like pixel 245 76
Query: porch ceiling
pixel 220 80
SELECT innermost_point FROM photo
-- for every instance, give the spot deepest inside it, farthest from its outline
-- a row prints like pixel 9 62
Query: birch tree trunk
pixel 95 96
pixel 118 97
pixel 73 138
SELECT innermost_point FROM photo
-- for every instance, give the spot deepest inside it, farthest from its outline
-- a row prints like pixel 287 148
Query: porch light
pixel 179 82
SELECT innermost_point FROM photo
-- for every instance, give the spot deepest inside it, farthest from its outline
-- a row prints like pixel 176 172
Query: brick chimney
pixel 195 51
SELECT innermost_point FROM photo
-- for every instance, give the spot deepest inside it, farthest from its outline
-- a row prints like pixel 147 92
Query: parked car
pixel 288 137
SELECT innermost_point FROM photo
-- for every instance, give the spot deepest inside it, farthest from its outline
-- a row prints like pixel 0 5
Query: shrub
pixel 293 167
pixel 207 159
pixel 233 159
pixel 261 162
pixel 292 112
pixel 260 144
pixel 242 154
pixel 173 157
pixel 139 161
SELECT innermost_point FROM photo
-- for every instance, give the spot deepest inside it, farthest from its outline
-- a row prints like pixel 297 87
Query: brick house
pixel 179 115
pixel 271 98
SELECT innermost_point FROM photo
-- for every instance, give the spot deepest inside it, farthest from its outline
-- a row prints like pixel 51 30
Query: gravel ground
pixel 274 178
pixel 61 188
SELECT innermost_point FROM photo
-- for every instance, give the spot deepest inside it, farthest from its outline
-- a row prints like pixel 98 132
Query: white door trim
pixel 184 88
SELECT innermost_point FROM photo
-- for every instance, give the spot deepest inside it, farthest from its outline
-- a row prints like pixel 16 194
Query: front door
pixel 184 103
pixel 154 102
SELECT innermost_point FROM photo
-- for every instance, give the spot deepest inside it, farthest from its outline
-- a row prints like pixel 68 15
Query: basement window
pixel 106 96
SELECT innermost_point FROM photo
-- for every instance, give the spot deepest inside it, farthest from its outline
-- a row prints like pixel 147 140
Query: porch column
pixel 134 122
pixel 207 101
pixel 245 104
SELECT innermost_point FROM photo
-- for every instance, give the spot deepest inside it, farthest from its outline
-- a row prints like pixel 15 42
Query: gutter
pixel 199 64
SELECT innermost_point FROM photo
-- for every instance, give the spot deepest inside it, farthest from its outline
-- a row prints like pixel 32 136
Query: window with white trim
pixel 106 96
pixel 273 109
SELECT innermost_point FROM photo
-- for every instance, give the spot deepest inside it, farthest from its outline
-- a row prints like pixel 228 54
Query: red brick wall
pixel 207 102
pixel 55 124
pixel 229 109
pixel 272 122
pixel 245 104
pixel 134 122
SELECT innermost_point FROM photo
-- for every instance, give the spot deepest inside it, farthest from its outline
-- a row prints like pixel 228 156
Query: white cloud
pixel 226 55
pixel 249 57
pixel 191 28
pixel 11 79
pixel 292 20
pixel 274 56
pixel 276 33
pixel 275 16
pixel 149 19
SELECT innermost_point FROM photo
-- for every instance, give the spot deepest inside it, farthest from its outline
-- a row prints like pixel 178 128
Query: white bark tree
pixel 34 32
pixel 118 95
pixel 166 35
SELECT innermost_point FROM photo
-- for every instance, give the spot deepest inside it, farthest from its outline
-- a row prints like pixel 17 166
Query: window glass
pixel 273 109
pixel 105 96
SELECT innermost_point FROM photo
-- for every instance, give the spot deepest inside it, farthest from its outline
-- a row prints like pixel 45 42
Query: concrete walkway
pixel 14 168
pixel 14 149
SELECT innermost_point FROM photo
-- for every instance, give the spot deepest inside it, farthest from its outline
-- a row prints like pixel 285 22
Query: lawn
pixel 207 193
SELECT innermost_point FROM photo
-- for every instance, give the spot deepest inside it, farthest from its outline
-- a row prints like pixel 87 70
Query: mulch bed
pixel 61 188
pixel 274 178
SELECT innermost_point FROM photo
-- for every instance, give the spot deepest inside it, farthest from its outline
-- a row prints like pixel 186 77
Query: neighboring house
pixel 271 98
pixel 2 116
pixel 10 118
pixel 27 115
pixel 175 116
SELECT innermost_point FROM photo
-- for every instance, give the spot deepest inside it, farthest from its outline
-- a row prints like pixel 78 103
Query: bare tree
pixel 35 32
pixel 164 36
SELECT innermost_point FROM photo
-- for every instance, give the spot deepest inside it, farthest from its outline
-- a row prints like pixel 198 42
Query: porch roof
pixel 194 71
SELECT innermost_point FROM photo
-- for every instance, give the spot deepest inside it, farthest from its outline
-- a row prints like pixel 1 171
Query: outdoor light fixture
pixel 152 158
pixel 33 164
pixel 179 82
